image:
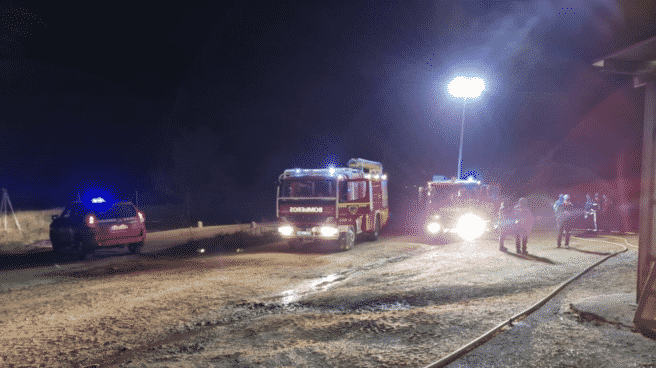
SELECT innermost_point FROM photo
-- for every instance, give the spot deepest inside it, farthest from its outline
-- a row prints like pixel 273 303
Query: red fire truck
pixel 456 207
pixel 335 203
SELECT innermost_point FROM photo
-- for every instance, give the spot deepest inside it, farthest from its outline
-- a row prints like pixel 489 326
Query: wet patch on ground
pixel 322 284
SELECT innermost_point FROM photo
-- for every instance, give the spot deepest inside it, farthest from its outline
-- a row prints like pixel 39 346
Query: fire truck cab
pixel 449 207
pixel 335 203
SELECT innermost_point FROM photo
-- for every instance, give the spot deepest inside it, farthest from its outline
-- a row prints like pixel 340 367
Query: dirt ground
pixel 391 303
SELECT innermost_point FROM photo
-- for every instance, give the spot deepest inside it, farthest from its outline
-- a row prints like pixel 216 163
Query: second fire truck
pixel 449 207
pixel 335 203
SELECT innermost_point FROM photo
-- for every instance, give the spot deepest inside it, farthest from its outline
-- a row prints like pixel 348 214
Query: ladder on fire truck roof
pixel 371 167
pixel 440 179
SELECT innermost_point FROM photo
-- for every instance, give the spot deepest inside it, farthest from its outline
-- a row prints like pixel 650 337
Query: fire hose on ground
pixel 464 350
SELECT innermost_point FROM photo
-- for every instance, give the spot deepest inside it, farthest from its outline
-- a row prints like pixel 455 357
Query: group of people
pixel 597 215
pixel 599 212
pixel 518 220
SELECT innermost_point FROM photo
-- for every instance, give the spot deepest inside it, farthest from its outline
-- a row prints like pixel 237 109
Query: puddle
pixel 321 284
pixel 385 307
pixel 325 282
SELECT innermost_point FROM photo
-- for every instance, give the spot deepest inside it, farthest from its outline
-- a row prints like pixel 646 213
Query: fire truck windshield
pixel 308 188
pixel 443 193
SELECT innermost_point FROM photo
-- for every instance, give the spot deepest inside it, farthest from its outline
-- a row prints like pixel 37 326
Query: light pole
pixel 465 87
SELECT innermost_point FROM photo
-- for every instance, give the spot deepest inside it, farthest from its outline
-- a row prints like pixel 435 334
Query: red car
pixel 83 228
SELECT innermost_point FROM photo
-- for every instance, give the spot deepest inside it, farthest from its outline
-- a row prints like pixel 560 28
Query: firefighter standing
pixel 606 208
pixel 596 213
pixel 557 207
pixel 567 216
pixel 524 221
pixel 587 211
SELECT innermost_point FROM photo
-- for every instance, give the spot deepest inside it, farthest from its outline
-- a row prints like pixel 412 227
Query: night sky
pixel 211 101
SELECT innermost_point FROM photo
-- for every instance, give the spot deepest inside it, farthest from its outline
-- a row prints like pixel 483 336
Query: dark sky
pixel 215 99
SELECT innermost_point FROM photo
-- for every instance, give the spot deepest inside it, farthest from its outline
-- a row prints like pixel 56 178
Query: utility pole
pixel 3 207
pixel 462 135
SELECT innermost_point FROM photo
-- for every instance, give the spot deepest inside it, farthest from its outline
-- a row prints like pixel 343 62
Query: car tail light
pixel 91 221
pixel 142 217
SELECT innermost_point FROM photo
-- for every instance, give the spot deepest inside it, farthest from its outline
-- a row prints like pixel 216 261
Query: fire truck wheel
pixel 374 235
pixel 347 239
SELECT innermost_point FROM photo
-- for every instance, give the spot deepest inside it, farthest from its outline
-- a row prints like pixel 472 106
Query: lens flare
pixel 328 231
pixel 286 230
pixel 466 87
pixel 433 227
pixel 470 227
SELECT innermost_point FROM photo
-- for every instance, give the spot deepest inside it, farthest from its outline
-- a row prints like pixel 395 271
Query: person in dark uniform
pixel 567 218
pixel 524 222
pixel 596 211
pixel 587 213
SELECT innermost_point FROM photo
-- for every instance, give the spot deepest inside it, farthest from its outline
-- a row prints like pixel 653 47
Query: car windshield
pixel 74 212
pixel 304 188
pixel 77 212
pixel 118 211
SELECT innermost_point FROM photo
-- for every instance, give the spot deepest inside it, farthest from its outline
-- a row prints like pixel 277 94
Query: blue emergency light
pixel 98 200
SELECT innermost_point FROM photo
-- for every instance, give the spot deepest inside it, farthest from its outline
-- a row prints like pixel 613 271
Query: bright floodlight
pixel 466 87
pixel 470 227
pixel 286 230
pixel 433 227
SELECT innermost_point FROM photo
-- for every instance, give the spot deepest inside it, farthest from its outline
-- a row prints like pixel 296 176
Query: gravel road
pixel 391 303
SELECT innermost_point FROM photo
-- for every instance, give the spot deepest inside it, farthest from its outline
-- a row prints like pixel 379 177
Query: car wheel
pixel 347 239
pixel 56 247
pixel 80 251
pixel 135 248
